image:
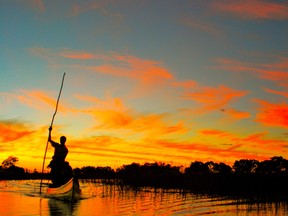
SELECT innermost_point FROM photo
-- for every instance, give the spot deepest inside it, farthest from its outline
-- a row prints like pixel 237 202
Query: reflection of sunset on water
pixel 170 82
pixel 20 198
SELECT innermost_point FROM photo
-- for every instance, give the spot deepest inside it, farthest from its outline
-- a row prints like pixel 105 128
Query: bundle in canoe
pixel 68 192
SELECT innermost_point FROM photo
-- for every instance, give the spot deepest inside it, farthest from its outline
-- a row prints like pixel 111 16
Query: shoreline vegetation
pixel 246 177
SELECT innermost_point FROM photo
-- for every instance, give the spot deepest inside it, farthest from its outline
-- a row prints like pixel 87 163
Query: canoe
pixel 68 192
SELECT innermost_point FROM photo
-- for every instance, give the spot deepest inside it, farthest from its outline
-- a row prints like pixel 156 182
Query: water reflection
pixel 112 201
pixel 22 198
pixel 59 207
pixel 252 207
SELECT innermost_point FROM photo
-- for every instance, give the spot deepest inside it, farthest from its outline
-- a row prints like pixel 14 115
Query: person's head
pixel 62 140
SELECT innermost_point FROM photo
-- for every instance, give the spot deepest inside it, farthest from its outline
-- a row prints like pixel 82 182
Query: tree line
pixel 245 176
pixel 275 165
pixel 9 170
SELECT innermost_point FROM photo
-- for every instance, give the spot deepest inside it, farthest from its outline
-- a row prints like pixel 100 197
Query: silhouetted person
pixel 60 169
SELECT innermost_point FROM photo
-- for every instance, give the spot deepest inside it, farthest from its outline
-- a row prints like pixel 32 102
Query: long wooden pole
pixel 49 131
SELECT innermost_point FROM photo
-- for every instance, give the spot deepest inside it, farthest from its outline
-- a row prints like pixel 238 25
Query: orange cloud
pixel 35 99
pixel 113 114
pixel 201 25
pixel 207 152
pixel 95 143
pixel 273 114
pixel 107 149
pixel 39 5
pixel 13 130
pixel 280 77
pixel 215 133
pixel 285 94
pixel 214 98
pixel 101 5
pixel 53 55
pixel 256 9
pixel 23 142
pixel 109 103
pixel 232 65
pixel 42 52
pixel 147 73
pixel 188 84
pixel 78 9
pixel 276 72
pixel 255 138
pixel 107 146
pixel 78 55
pixel 253 141
pixel 235 114
pixel 259 140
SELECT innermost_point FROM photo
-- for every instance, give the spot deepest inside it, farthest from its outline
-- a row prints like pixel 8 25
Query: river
pixel 22 197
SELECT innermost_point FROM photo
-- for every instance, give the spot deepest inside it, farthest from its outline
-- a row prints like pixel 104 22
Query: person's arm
pixel 49 138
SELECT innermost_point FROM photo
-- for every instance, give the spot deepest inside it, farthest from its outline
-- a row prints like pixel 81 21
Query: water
pixel 22 198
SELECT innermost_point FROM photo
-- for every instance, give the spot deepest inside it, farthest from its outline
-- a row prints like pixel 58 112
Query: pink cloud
pixel 256 9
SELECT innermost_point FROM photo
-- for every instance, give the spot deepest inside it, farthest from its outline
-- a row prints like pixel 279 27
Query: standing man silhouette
pixel 57 163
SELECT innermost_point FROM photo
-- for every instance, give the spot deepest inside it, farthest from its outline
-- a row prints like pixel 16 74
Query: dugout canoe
pixel 68 192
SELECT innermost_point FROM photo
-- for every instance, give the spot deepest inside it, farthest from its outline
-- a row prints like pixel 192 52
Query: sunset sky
pixel 171 81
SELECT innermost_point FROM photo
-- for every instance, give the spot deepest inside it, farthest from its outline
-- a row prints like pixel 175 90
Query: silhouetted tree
pixel 10 170
pixel 221 168
pixel 131 169
pixel 197 167
pixel 279 164
pixel 105 172
pixel 9 162
pixel 15 170
pixel 77 172
pixel 275 165
pixel 245 166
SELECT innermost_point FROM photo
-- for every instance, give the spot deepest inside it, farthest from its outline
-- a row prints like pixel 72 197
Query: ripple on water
pixel 23 198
